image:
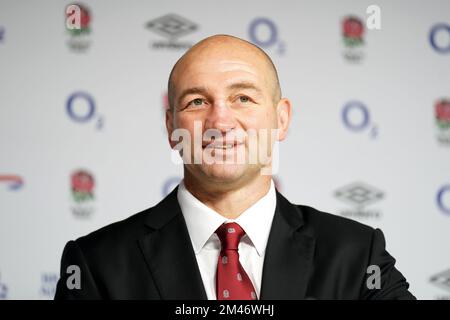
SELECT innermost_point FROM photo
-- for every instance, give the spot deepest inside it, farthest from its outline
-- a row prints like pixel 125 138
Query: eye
pixel 244 99
pixel 197 102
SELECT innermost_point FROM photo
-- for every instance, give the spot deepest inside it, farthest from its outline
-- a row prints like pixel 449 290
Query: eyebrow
pixel 204 91
pixel 193 90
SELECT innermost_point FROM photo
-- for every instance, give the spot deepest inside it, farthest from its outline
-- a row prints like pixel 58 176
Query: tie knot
pixel 230 235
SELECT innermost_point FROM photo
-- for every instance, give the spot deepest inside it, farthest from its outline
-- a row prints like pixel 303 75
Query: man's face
pixel 230 93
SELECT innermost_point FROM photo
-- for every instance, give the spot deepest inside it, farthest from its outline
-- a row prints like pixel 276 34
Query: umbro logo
pixel 171 26
pixel 359 195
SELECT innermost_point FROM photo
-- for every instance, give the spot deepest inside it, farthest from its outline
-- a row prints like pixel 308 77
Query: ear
pixel 169 126
pixel 284 116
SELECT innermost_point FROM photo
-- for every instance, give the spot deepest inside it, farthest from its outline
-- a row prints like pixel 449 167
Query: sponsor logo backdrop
pixel 82 132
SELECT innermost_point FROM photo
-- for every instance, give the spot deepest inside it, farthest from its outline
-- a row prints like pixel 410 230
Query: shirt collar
pixel 203 221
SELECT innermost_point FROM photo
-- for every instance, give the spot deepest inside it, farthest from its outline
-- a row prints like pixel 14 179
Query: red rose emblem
pixel 352 28
pixel 82 182
pixel 85 19
pixel 442 109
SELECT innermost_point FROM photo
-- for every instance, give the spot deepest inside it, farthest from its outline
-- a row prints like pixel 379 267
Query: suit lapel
pixel 289 254
pixel 168 252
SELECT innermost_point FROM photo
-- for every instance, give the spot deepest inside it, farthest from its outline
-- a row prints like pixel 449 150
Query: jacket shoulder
pixel 115 234
pixel 336 229
pixel 133 227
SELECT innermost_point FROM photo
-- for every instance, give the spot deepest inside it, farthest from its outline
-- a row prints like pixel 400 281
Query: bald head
pixel 225 48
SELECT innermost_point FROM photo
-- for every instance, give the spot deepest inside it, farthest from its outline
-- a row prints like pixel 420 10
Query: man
pixel 225 232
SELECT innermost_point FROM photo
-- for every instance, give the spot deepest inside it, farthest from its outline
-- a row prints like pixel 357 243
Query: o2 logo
pixel 264 33
pixel 438 33
pixel 81 108
pixel 169 185
pixel 356 118
pixel 443 199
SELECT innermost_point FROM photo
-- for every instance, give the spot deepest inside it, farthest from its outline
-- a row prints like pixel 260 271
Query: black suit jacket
pixel 310 255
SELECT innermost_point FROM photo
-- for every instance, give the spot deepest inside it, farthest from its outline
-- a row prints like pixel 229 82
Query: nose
pixel 221 118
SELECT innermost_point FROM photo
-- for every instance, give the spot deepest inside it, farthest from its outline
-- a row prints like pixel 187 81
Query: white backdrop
pixel 365 141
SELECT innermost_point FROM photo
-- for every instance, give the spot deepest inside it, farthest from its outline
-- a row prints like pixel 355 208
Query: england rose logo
pixel 85 19
pixel 352 29
pixel 442 113
pixel 82 189
pixel 79 37
pixel 82 186
pixel 442 120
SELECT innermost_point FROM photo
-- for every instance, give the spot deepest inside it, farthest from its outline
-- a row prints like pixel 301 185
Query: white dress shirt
pixel 202 222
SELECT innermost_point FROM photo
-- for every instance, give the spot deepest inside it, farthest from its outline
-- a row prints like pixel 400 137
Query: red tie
pixel 232 282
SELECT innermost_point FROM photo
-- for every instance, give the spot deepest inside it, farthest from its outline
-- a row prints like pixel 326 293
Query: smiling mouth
pixel 221 145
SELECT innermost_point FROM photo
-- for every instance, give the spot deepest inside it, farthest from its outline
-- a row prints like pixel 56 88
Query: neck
pixel 229 200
